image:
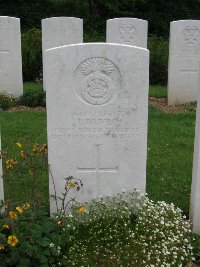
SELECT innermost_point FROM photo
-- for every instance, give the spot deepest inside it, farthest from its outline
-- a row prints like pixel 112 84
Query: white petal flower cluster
pixel 129 230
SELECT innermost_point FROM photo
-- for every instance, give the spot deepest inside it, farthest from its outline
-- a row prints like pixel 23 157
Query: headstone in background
pixel 129 31
pixel 59 31
pixel 1 175
pixel 97 123
pixel 183 67
pixel 195 191
pixel 10 56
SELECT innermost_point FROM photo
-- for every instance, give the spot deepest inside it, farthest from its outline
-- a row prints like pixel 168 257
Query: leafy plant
pixel 32 54
pixel 123 230
pixel 7 101
pixel 158 47
pixel 28 237
pixel 33 98
pixel 196 248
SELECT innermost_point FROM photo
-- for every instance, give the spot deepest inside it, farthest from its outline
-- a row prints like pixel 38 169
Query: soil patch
pixel 161 104
pixel 25 108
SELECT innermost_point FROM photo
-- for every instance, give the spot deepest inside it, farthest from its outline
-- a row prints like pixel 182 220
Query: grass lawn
pixel 29 86
pixel 170 147
pixel 158 91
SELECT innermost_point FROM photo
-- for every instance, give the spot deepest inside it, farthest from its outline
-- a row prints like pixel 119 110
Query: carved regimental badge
pixel 99 80
pixel 127 33
pixel 191 35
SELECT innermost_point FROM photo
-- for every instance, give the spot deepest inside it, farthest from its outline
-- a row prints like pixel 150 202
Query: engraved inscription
pixel 127 33
pixel 99 124
pixel 98 169
pixel 98 81
pixel 189 72
pixel 191 35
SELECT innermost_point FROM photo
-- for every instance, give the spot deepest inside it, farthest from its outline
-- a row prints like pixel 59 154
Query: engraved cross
pixel 97 169
pixel 190 70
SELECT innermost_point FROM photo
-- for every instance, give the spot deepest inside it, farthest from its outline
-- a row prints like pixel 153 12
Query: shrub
pixel 30 238
pixel 158 47
pixel 7 101
pixel 31 54
pixel 33 98
pixel 128 230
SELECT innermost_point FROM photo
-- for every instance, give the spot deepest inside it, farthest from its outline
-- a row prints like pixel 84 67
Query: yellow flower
pixel 13 161
pixel 44 149
pixel 23 154
pixel 19 209
pixel 6 226
pixel 1 247
pixel 12 240
pixel 82 208
pixel 71 184
pixel 31 172
pixel 26 206
pixel 19 145
pixel 9 164
pixel 35 148
pixel 13 215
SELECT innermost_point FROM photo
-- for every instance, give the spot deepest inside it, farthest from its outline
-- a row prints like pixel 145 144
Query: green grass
pixel 27 128
pixel 170 153
pixel 170 147
pixel 158 91
pixel 29 86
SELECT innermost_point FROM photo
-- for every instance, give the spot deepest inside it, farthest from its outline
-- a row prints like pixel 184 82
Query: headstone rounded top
pixel 61 18
pixel 185 21
pixel 127 18
pixel 185 36
pixel 59 31
pixel 10 56
pixel 9 18
pixel 9 22
pixel 97 45
pixel 131 31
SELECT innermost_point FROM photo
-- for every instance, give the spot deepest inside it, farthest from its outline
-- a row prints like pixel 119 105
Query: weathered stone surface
pixel 129 31
pixel 97 111
pixel 184 54
pixel 10 56
pixel 195 191
pixel 59 31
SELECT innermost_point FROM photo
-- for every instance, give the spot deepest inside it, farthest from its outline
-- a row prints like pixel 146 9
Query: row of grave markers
pixel 97 116
pixel 184 50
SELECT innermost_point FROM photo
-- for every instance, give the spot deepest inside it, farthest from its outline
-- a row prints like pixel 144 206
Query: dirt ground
pixel 25 108
pixel 161 103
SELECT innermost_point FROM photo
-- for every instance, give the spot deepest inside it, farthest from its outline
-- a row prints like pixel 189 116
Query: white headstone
pixel 195 190
pixel 10 56
pixel 129 31
pixel 1 175
pixel 97 123
pixel 183 67
pixel 59 31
